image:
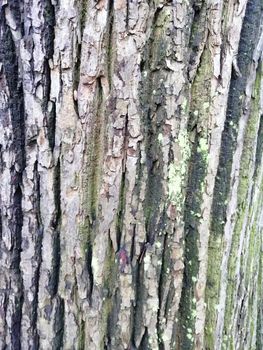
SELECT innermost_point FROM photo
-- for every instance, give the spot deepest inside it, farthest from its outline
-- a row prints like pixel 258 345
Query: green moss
pixel 243 202
pixel 252 269
pixel 90 182
pixel 198 118
pixel 153 93
pixel 81 338
pixel 213 285
pixel 94 156
pixel 259 344
pixel 221 198
pixel 109 282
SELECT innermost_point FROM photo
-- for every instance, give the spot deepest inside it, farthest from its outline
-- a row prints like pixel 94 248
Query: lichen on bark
pixel 131 174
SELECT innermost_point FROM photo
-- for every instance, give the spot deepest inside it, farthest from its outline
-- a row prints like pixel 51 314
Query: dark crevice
pixel 16 229
pixel 120 211
pixel 48 31
pixel 95 152
pixel 4 297
pixel 38 255
pixel 83 15
pixel 259 145
pixel 127 15
pixel 56 221
pixel 83 6
pixel 11 70
pixel 95 149
pixel 197 171
pixel 223 184
pixel 112 321
pixel 198 33
pixel 122 199
pixel 200 94
pixel 109 42
pixel 51 124
pixel 235 104
pixel 140 295
pixel 17 13
pixel 48 35
pixel 162 278
pixel 197 5
pixel 61 83
pixel 82 336
pixel 153 66
pixel 89 268
pixel 133 242
pixel 144 345
pixel 152 100
pixel 228 145
pixel 54 278
pixel 76 76
pixel 59 324
pixel 57 195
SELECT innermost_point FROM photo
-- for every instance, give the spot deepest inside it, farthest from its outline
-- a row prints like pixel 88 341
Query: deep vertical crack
pixel 16 106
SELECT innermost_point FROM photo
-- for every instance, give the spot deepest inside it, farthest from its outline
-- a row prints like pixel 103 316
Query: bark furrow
pixel 131 172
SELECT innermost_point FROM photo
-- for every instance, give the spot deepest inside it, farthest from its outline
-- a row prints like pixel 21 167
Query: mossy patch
pixel 198 120
pixel 243 210
pixel 108 291
pixel 152 101
pixel 223 185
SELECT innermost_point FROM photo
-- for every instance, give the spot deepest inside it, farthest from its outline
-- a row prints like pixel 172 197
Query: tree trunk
pixel 131 174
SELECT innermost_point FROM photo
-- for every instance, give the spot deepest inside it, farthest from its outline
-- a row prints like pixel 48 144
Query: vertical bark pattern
pixel 131 174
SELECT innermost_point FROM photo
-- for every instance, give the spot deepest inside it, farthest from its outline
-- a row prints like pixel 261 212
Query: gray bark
pixel 131 174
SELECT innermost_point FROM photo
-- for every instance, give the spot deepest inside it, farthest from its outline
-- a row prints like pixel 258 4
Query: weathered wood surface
pixel 131 174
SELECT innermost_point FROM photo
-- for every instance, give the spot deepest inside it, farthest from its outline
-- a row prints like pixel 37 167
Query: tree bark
pixel 131 174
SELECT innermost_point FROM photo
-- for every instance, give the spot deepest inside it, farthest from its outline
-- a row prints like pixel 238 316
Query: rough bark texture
pixel 131 174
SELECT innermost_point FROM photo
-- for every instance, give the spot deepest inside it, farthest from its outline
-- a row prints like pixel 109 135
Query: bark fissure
pixel 121 207
pixel 131 174
pixel 151 107
pixel 12 73
pixel 110 42
pixel 194 196
pixel 165 260
pixel 48 35
pixel 56 227
pixel 59 324
pixel 94 163
pixel 37 257
pixel 136 337
pixel 236 107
